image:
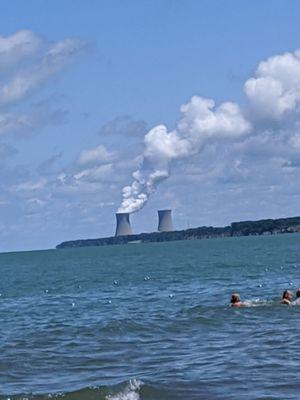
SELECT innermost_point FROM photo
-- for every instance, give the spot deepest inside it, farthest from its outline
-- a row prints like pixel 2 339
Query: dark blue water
pixel 151 321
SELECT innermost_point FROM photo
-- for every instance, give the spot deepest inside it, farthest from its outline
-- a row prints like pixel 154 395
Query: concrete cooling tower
pixel 123 224
pixel 165 223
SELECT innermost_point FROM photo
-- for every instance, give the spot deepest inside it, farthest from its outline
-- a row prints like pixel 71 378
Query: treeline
pixel 265 226
pixel 243 228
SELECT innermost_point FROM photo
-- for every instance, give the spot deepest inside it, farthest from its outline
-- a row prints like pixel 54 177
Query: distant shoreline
pixel 242 228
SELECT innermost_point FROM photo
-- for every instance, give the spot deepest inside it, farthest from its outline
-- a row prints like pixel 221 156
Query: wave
pixel 129 390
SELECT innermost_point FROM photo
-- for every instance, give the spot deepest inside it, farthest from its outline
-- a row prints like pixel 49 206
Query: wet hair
pixel 284 294
pixel 235 298
pixel 298 292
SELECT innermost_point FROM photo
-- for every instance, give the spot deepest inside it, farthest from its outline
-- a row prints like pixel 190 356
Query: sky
pixel 141 105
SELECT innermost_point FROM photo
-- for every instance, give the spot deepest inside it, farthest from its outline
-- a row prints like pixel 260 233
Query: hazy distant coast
pixel 242 228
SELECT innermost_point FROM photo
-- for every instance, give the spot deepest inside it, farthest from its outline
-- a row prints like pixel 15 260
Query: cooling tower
pixel 165 223
pixel 123 224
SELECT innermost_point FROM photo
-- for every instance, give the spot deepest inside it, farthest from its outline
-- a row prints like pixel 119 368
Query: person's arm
pixel 285 301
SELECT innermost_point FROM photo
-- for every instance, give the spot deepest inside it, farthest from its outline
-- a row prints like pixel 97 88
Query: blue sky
pixel 82 84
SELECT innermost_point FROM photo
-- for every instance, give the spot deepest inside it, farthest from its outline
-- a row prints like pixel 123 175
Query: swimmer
pixel 235 300
pixel 297 301
pixel 287 296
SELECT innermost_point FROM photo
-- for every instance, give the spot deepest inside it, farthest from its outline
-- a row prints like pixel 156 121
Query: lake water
pixel 151 321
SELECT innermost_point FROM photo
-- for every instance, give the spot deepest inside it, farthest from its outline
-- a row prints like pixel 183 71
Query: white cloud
pixel 18 47
pixel 27 61
pixel 161 144
pixel 14 123
pixel 29 186
pixel 295 141
pixel 202 120
pixel 275 89
pixel 49 62
pixel 98 155
pixel 40 115
pixel 95 174
pixel 36 201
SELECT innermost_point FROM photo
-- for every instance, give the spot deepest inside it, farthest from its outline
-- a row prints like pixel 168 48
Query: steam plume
pixel 272 95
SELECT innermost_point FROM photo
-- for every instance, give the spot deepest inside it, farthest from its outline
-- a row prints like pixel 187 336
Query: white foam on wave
pixel 257 302
pixel 131 391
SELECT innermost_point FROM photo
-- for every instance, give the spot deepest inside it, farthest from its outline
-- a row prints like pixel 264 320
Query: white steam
pixel 272 94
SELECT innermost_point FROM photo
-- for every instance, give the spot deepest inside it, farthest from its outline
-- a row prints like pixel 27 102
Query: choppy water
pixel 151 321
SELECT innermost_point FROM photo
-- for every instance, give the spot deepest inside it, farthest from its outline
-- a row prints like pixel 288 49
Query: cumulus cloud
pixel 274 92
pixel 202 120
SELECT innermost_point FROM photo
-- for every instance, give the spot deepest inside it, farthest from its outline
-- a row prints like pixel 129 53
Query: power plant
pixel 123 224
pixel 165 223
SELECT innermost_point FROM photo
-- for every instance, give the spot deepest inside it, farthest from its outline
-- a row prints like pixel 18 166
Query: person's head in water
pixel 235 299
pixel 298 293
pixel 287 296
